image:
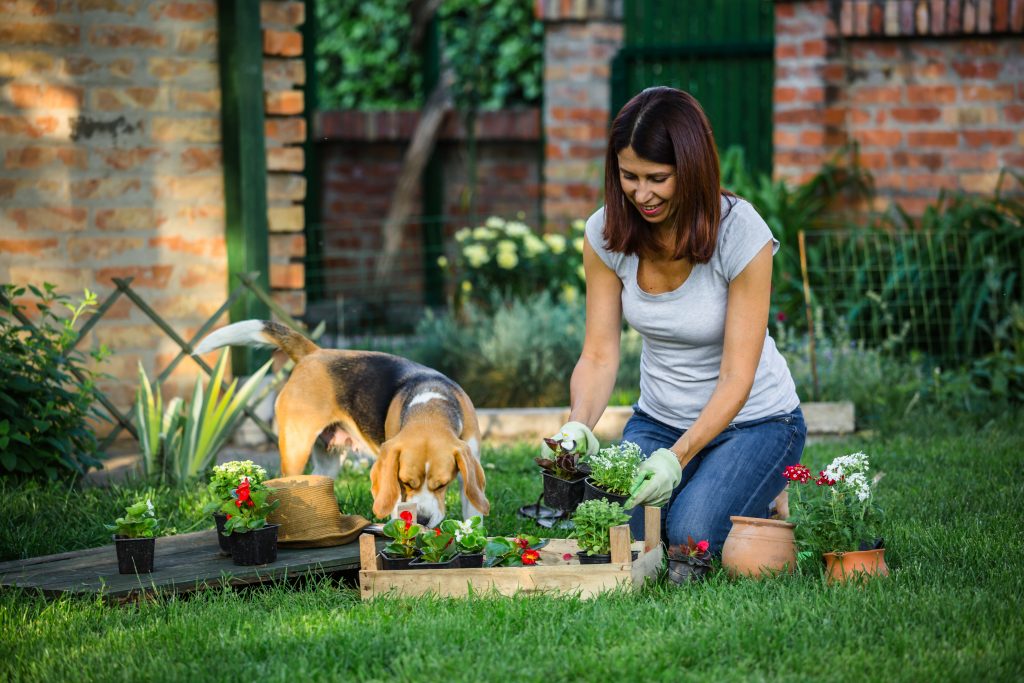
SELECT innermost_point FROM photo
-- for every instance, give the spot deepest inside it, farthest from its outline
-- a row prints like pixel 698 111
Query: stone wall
pixel 110 162
pixel 933 93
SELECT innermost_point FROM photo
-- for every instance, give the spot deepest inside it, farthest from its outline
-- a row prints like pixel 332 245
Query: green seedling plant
pixel 402 533
pixel 139 521
pixel 436 546
pixel 470 535
pixel 593 521
pixel 518 551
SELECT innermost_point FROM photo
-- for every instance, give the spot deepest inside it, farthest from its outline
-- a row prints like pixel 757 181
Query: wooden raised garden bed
pixel 553 574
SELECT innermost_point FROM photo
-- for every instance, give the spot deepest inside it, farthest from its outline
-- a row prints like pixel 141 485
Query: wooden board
pixel 182 563
pixel 554 573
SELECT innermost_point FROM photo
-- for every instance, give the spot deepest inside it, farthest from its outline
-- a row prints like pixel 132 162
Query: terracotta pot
pixel 858 564
pixel 759 547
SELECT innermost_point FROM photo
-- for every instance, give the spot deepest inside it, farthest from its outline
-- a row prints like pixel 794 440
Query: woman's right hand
pixel 586 442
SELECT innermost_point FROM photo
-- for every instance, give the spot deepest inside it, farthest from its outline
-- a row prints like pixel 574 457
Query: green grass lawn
pixel 951 610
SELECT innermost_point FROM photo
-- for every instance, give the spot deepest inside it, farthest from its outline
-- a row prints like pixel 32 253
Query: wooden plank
pixel 620 545
pixel 367 552
pixel 652 528
pixel 182 563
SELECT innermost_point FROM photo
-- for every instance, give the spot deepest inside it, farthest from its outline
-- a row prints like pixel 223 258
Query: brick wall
pixel 933 93
pixel 580 40
pixel 361 155
pixel 110 162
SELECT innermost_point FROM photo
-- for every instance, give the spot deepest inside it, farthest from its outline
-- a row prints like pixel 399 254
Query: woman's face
pixel 649 186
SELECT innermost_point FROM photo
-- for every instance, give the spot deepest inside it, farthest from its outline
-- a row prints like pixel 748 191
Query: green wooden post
pixel 240 47
pixel 315 276
pixel 432 183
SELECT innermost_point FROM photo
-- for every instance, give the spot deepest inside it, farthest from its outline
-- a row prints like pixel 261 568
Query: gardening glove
pixel 586 442
pixel 655 479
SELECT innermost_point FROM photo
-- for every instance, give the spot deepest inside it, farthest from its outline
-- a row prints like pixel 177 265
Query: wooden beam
pixel 240 47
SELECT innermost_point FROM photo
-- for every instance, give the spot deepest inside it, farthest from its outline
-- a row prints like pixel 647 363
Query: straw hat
pixel 309 515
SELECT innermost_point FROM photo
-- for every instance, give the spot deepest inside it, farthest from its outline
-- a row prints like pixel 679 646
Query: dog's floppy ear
pixel 473 480
pixel 384 479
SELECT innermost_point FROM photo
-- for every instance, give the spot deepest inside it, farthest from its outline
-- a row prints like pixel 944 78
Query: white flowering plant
pixel 470 536
pixel 614 468
pixel 507 258
pixel 838 512
pixel 224 479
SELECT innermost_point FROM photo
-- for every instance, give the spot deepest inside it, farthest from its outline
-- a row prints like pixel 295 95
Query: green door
pixel 720 51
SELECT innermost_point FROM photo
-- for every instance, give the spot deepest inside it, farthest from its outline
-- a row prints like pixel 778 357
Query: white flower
pixel 483 234
pixel 555 241
pixel 149 506
pixel 476 254
pixel 579 224
pixel 463 529
pixel 507 260
pixel 463 234
pixel 577 244
pixel 506 246
pixel 534 245
pixel 495 222
pixel 516 229
pixel 442 261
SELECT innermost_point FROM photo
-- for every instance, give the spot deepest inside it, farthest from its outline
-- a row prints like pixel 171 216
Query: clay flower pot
pixel 759 547
pixel 856 565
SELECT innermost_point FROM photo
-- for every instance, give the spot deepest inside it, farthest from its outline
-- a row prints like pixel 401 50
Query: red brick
pixel 53 34
pixel 783 95
pixel 282 13
pixel 101 249
pixel 929 181
pixel 784 138
pixel 196 40
pixel 985 93
pixel 287 246
pixel 930 160
pixel 931 94
pixel 278 73
pixel 126 36
pixel 190 188
pixel 29 8
pixel 38 157
pixel 186 130
pixel 286 186
pixel 282 43
pixel 932 139
pixel 170 68
pixel 32 96
pixel 285 131
pixel 293 301
pixel 284 103
pixel 104 188
pixel 127 99
pixel 930 71
pixel 973 160
pixel 813 48
pixel 1014 113
pixel 878 137
pixel 888 94
pixel 915 114
pixel 126 7
pixel 873 160
pixel 286 159
pixel 183 11
pixel 20 64
pixel 27 247
pixel 289 276
pixel 56 219
pixel 123 159
pixel 197 100
pixel 158 276
pixel 981 138
pixel 127 218
pixel 784 51
pixel 214 247
pixel 200 159
pixel 975 69
pixel 206 276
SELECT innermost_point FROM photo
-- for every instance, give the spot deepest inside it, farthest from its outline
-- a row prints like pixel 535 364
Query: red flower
pixel 523 543
pixel 238 503
pixel 798 473
pixel 407 516
pixel 702 546
pixel 567 557
pixel 407 525
pixel 780 316
pixel 530 556
pixel 229 516
pixel 242 492
pixel 823 480
pixel 437 532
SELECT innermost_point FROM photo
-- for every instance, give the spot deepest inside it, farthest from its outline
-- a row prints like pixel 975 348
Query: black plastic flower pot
pixel 600 558
pixel 471 560
pixel 561 494
pixel 681 571
pixel 135 555
pixel 255 547
pixel 394 561
pixel 592 492
pixel 224 541
pixel 418 563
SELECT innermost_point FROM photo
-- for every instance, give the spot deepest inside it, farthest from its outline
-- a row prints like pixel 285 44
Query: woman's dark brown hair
pixel 666 126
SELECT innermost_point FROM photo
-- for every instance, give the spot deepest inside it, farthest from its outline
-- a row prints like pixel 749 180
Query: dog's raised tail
pixel 258 333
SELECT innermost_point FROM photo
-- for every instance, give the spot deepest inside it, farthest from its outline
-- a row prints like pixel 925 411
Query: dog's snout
pixel 423 519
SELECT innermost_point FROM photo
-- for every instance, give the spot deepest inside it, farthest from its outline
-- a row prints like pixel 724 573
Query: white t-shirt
pixel 683 331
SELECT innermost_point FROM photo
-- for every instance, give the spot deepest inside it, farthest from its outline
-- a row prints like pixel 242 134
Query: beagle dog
pixel 420 424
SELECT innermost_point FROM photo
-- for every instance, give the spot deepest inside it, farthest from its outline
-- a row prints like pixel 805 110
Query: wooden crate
pixel 553 575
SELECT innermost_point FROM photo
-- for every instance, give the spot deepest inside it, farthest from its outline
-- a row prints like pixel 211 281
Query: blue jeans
pixel 739 472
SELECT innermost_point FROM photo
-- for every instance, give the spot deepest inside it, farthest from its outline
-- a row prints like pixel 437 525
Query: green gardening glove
pixel 586 442
pixel 655 480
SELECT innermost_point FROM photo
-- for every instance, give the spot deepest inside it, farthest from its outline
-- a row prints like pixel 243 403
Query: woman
pixel 689 265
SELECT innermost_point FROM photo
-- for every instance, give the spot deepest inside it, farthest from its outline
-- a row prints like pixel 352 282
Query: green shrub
pixel 47 390
pixel 593 520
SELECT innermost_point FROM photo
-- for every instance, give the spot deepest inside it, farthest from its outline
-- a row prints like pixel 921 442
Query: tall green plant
pixel 180 442
pixel 47 390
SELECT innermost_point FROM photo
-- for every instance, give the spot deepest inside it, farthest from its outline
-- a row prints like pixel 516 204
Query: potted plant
pixel 135 538
pixel 402 549
pixel 470 540
pixel 593 521
pixel 612 471
pixel 437 550
pixel 837 517
pixel 563 473
pixel 690 561
pixel 518 551
pixel 253 541
pixel 223 481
